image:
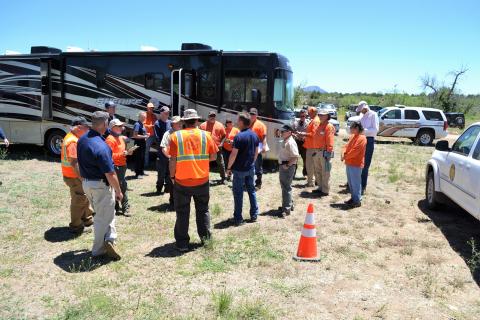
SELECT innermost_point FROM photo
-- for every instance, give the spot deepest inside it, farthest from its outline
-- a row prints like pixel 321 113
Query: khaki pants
pixel 102 199
pixel 320 168
pixel 80 210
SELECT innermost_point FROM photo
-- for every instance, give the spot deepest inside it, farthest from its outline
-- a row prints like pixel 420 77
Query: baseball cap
pixel 115 123
pixel 253 111
pixel 285 128
pixel 164 109
pixel 362 104
pixel 212 113
pixel 109 104
pixel 150 105
pixel 79 121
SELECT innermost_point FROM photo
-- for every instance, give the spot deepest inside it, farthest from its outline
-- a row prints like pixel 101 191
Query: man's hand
pixel 7 143
pixel 118 195
pixel 284 167
pixel 228 172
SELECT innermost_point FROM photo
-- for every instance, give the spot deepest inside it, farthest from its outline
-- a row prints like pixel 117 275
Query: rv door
pixel 46 89
pixel 182 89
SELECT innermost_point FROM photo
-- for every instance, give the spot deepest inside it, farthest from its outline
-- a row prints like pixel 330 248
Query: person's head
pixel 212 116
pixel 79 126
pixel 164 113
pixel 116 127
pixel 142 115
pixel 110 107
pixel 228 123
pixel 244 120
pixel 150 108
pixel 176 123
pixel 363 107
pixel 356 128
pixel 303 114
pixel 324 116
pixel 253 114
pixel 190 118
pixel 312 112
pixel 100 121
pixel 286 131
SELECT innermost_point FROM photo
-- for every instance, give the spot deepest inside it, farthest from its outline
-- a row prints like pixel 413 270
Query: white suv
pixel 421 125
pixel 454 173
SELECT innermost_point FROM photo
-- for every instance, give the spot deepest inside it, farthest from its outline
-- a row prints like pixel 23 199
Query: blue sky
pixel 344 46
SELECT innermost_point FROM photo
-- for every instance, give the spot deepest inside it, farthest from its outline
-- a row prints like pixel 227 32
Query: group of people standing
pixel 94 164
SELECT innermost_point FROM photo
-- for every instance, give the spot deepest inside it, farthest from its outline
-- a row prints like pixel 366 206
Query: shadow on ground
pixel 169 250
pixel 59 234
pixel 79 261
pixel 458 227
pixel 28 152
pixel 164 207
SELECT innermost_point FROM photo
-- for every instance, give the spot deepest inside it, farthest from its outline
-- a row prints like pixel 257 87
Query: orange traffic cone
pixel 307 248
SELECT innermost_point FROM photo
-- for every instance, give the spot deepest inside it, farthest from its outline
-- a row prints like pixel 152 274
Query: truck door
pixel 461 171
pixel 409 123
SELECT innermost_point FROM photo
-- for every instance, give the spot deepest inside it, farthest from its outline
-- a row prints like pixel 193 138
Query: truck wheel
pixel 460 122
pixel 53 142
pixel 431 195
pixel 424 137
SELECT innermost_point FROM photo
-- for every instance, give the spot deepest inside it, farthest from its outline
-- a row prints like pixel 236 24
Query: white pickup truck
pixel 455 172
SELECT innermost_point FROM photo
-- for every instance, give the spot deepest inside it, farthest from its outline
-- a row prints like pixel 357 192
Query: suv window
pixel 433 115
pixel 393 114
pixel 412 115
pixel 476 152
pixel 465 143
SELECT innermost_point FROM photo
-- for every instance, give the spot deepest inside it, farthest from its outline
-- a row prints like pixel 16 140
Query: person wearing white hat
pixel 370 124
pixel 116 142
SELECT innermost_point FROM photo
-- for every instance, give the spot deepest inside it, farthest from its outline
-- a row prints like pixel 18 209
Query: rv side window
pixel 101 78
pixel 207 84
pixel 239 84
pixel 155 81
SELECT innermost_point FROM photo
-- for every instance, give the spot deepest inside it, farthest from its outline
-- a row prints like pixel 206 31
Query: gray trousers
pixel 102 199
pixel 286 178
pixel 183 197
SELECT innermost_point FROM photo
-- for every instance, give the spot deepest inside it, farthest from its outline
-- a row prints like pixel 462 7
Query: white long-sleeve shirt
pixel 370 123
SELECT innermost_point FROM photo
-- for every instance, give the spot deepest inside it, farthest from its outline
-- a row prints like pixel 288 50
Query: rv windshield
pixel 283 91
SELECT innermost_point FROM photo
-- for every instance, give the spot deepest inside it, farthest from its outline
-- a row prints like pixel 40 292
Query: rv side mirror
pixel 442 145
pixel 256 97
pixel 44 85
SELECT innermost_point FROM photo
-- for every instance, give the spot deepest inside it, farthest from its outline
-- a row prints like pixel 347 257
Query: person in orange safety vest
pixel 80 209
pixel 191 151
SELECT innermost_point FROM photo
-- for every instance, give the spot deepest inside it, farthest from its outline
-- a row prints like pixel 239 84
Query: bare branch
pixel 456 75
pixel 429 82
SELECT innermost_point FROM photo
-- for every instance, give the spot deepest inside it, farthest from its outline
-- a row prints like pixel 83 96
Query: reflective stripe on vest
pixel 182 156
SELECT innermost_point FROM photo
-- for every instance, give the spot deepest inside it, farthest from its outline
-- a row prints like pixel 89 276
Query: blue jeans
pixel 149 142
pixel 368 160
pixel 354 177
pixel 241 179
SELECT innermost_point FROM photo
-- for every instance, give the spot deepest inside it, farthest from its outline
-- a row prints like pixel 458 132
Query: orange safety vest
pixel 67 169
pixel 193 159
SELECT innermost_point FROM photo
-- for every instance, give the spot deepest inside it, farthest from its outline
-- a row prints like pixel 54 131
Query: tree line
pixel 440 95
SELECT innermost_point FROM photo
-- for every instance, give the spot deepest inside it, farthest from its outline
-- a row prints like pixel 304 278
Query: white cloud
pixel 74 49
pixel 147 48
pixel 11 52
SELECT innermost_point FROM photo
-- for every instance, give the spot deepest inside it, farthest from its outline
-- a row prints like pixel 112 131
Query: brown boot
pixel 111 251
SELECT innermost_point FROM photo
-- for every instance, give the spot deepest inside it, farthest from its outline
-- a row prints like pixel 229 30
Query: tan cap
pixel 115 123
pixel 176 119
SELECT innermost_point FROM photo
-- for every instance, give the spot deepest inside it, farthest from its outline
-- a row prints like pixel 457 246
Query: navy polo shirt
pixel 160 128
pixel 94 156
pixel 245 141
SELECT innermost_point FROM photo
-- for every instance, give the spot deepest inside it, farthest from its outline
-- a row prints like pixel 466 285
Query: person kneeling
pixel 354 157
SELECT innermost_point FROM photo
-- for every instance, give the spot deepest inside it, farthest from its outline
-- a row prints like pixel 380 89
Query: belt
pixel 104 180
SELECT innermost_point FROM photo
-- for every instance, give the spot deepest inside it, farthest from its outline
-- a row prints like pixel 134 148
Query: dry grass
pixel 389 259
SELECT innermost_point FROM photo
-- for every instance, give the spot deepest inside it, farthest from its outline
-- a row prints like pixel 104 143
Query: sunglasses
pixel 212 116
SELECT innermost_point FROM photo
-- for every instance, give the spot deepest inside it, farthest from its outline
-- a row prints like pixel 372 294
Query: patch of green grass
pixel 474 261
pixel 85 265
pixel 290 290
pixel 253 311
pixel 5 273
pixel 208 264
pixel 96 306
pixel 216 210
pixel 222 302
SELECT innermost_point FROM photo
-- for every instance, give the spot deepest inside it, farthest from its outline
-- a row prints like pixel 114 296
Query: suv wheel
pixel 424 137
pixel 430 194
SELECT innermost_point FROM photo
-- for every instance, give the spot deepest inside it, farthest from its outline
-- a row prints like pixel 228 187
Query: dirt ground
pixel 390 259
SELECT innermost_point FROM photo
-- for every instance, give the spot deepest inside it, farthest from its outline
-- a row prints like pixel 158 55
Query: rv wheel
pixel 53 142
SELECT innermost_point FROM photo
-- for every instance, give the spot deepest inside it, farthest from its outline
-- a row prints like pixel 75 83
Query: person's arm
pixel 113 181
pixel 172 165
pixel 231 160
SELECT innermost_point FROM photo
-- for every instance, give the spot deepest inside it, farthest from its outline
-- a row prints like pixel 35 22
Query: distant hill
pixel 314 89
